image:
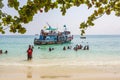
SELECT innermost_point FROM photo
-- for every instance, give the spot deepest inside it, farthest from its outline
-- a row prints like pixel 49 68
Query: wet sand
pixel 60 72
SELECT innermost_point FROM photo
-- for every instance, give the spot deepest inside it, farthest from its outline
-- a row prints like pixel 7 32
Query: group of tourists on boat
pixel 52 36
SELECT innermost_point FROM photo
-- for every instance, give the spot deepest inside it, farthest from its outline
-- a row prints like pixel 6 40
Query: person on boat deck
pixel 29 53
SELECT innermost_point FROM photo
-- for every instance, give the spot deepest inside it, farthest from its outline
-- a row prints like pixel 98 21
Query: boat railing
pixel 45 40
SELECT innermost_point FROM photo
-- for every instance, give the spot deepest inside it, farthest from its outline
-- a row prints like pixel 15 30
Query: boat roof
pixel 51 29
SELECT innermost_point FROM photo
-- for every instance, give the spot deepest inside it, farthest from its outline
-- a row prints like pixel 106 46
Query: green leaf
pixel 101 10
pixel 13 3
pixel 89 5
pixel 3 32
pixel 103 1
pixel 1 4
pixel 82 32
pixel 98 4
pixel 83 25
pixel 117 13
pixel 108 11
pixel 96 13
pixel 22 30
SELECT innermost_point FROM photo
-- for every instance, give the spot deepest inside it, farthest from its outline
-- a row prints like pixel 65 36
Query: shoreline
pixel 44 63
pixel 60 72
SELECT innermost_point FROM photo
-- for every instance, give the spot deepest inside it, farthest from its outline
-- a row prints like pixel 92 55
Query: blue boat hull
pixel 45 42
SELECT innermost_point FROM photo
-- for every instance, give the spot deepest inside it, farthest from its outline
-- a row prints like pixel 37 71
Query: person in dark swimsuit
pixel 29 53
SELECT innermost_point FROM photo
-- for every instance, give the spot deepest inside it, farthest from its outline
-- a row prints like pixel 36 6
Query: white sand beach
pixel 60 72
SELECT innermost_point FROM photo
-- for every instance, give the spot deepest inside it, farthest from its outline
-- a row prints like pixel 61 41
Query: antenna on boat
pixel 48 24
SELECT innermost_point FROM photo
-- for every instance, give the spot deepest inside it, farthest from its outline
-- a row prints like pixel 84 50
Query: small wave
pixel 86 63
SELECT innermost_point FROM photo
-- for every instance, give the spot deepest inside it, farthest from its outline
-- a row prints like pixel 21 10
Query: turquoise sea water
pixel 104 49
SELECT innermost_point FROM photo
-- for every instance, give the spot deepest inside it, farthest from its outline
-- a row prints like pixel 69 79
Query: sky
pixel 105 25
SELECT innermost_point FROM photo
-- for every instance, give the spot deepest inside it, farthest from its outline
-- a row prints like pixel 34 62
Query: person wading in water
pixel 29 52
